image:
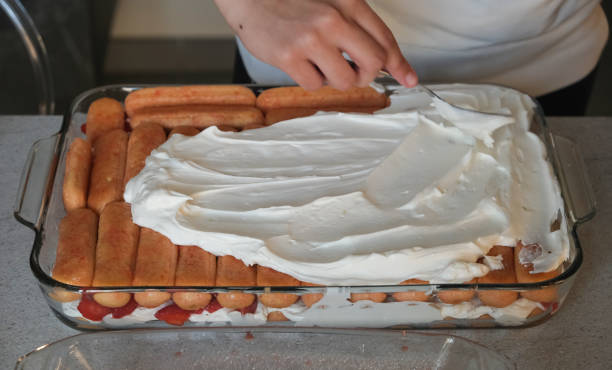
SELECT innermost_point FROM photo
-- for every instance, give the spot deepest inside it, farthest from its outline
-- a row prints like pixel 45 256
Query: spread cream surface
pixel 417 190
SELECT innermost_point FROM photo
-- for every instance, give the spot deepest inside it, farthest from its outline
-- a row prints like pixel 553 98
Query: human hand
pixel 306 39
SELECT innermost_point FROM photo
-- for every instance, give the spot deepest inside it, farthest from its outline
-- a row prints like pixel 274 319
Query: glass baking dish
pixel 39 206
pixel 262 348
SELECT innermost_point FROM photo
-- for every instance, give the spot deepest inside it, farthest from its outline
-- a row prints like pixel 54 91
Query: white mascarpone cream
pixel 417 190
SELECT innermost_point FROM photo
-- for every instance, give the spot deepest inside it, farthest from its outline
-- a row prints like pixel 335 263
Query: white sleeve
pixel 260 72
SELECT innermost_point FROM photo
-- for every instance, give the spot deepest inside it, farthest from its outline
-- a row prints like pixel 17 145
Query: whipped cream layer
pixel 418 190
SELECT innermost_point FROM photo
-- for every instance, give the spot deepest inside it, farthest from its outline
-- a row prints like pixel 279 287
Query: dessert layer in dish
pixel 417 192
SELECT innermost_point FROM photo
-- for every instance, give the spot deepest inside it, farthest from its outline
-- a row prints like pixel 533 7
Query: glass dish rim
pixel 46 279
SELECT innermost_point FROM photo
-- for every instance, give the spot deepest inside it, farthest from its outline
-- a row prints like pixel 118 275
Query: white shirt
pixel 535 46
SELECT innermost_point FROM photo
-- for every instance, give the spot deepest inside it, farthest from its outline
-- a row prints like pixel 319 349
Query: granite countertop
pixel 576 337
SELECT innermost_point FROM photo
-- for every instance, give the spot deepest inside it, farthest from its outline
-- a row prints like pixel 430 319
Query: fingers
pixel 305 74
pixel 335 69
pixel 365 51
pixel 337 34
pixel 395 63
pixel 307 39
pixel 359 32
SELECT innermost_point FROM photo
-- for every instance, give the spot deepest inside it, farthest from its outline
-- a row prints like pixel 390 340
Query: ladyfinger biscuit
pixel 115 253
pixel 104 115
pixel 141 143
pixel 499 298
pixel 112 299
pixel 155 265
pixel 106 185
pixel 524 275
pixel 536 312
pixel 199 116
pixel 293 97
pixel 227 128
pixel 415 295
pixel 457 296
pixel 76 251
pixel 76 176
pixel 253 126
pixel 310 298
pixel 376 297
pixel 195 267
pixel 281 114
pixel 186 95
pixel 276 316
pixel 184 130
pixel 233 272
pixel 269 277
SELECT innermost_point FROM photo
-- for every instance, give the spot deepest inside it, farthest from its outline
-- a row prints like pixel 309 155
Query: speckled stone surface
pixel 578 336
pixel 25 320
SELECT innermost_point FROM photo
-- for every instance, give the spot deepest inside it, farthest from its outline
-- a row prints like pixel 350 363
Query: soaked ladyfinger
pixel 294 97
pixel 454 296
pixel 506 275
pixel 76 176
pixel 276 316
pixel 155 265
pixel 170 96
pixel 233 272
pixel 376 297
pixel 199 116
pixel 523 274
pixel 106 184
pixel 104 115
pixel 141 143
pixel 195 267
pixel 310 298
pixel 413 295
pixel 76 251
pixel 269 277
pixel 115 253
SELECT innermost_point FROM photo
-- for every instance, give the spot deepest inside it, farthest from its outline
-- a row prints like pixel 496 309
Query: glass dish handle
pixel 37 51
pixel 36 181
pixel 574 180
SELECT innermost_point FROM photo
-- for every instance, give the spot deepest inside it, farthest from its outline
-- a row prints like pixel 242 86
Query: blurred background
pixel 98 42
